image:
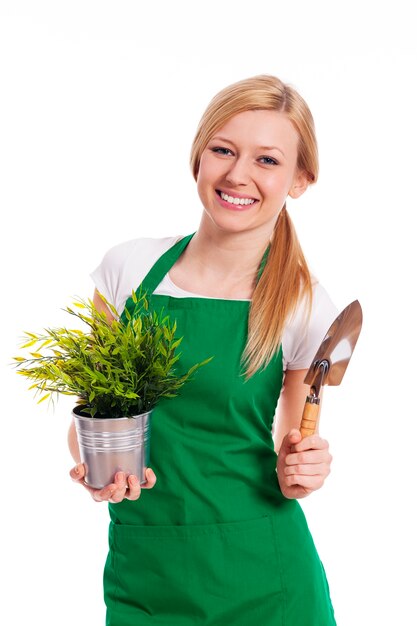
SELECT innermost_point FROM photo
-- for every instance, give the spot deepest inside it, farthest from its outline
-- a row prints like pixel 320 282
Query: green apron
pixel 214 543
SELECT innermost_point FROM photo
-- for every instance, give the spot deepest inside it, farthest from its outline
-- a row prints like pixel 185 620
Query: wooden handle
pixel 309 419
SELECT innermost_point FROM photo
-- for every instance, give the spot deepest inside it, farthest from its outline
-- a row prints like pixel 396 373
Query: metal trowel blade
pixel 337 346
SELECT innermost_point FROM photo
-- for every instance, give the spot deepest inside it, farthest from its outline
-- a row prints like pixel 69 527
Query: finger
pixel 150 479
pixel 121 486
pixel 114 492
pixel 312 442
pixel 102 495
pixel 320 469
pixel 290 439
pixel 308 456
pixel 77 473
pixel 294 436
pixel 308 482
pixel 133 492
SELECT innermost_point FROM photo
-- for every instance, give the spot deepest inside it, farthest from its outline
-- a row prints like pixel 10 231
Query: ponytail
pixel 284 281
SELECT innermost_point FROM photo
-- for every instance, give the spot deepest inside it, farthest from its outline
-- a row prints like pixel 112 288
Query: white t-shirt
pixel 125 266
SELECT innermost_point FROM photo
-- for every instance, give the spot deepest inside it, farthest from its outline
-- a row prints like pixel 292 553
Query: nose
pixel 238 172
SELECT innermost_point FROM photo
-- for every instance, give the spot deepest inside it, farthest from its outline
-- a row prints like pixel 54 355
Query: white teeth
pixel 233 200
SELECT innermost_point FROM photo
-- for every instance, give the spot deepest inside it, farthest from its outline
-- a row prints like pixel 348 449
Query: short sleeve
pixel 124 267
pixel 107 277
pixel 304 334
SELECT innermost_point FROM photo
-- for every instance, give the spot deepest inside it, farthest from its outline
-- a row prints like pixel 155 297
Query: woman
pixel 220 539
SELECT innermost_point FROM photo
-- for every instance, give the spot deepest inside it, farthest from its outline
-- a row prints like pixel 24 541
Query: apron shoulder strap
pixel 163 265
pixel 157 272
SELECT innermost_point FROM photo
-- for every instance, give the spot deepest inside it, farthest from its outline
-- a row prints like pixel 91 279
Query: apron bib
pixel 215 542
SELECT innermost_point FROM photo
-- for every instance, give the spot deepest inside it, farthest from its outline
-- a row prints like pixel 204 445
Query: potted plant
pixel 118 370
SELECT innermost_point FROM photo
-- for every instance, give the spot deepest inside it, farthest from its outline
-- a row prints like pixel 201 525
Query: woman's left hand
pixel 303 464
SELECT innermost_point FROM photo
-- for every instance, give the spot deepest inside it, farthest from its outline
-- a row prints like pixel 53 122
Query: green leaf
pixel 44 398
pixel 176 343
pixel 29 344
pixel 46 343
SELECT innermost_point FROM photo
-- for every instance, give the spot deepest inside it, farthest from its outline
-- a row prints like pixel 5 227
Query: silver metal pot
pixel 108 446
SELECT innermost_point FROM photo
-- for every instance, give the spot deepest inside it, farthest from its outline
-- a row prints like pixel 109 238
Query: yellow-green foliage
pixel 116 369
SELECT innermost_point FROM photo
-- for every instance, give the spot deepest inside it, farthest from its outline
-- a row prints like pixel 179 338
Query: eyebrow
pixel 260 147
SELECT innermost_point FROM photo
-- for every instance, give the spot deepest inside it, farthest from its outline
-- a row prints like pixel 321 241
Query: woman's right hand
pixel 124 487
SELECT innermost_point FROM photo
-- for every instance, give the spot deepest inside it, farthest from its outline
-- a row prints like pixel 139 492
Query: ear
pixel 299 184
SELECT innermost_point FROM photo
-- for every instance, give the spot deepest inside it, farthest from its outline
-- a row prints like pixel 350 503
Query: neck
pixel 229 255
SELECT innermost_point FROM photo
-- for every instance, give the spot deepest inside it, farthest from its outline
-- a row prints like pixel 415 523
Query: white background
pixel 98 106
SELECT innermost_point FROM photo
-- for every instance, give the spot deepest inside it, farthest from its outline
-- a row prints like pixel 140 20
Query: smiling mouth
pixel 234 199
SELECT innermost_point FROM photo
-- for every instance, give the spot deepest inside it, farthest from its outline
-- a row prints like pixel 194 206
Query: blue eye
pixel 219 150
pixel 270 161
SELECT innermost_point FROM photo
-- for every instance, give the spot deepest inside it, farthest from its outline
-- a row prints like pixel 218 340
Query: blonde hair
pixel 286 277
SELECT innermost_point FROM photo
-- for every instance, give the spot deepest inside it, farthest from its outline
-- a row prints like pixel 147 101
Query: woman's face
pixel 248 169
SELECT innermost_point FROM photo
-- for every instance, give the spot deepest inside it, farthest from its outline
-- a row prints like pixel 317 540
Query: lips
pixel 236 198
pixel 235 203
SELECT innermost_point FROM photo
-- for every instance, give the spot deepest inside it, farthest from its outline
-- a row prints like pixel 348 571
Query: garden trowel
pixel 331 361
